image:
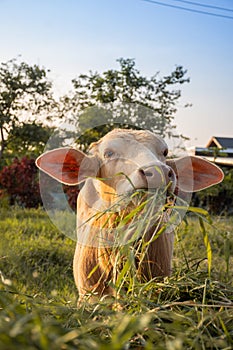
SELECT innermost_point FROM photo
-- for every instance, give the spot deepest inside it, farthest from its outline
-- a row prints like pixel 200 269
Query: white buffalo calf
pixel 120 163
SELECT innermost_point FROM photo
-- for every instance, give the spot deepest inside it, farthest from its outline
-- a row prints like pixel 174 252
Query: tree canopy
pixel 25 91
pixel 98 102
pixel 126 97
pixel 27 139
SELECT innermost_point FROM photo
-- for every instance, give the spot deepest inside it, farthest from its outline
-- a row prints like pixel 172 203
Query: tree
pixel 24 91
pixel 27 139
pixel 131 99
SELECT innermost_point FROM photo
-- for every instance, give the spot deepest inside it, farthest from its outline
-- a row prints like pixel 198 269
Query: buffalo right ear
pixel 68 165
pixel 194 173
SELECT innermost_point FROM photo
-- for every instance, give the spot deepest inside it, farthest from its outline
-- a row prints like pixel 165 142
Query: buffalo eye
pixel 165 152
pixel 108 154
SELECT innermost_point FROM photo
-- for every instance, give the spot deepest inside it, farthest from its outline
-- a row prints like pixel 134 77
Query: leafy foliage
pixel 20 181
pixel 24 91
pixel 126 98
pixel 218 199
pixel 27 139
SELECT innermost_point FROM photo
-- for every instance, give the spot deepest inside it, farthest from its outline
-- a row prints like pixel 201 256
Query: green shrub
pixel 218 200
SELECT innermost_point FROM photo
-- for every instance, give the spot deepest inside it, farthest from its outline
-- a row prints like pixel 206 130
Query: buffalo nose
pixel 157 175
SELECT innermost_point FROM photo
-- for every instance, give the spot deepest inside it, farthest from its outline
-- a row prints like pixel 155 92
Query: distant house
pixel 220 142
pixel 218 150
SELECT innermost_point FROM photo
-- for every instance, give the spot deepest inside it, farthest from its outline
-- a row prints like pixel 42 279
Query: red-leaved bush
pixel 20 181
pixel 72 194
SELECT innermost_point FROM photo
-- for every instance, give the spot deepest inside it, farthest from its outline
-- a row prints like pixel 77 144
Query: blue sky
pixel 71 37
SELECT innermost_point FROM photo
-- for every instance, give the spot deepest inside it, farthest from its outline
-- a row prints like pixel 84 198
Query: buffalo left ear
pixel 194 174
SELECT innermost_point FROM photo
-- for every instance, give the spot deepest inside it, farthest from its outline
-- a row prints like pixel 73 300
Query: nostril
pixel 145 173
pixel 141 171
pixel 148 173
pixel 170 173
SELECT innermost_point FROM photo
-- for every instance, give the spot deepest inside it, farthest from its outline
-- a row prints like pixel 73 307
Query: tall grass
pixel 192 309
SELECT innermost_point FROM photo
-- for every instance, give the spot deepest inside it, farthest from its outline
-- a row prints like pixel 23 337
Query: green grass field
pixel 193 309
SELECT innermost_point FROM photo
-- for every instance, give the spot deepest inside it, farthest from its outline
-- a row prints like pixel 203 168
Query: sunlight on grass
pixel 192 309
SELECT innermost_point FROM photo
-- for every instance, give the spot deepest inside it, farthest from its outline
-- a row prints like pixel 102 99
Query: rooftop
pixel 220 142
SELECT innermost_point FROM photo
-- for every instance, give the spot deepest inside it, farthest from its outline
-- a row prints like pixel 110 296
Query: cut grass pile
pixel 193 309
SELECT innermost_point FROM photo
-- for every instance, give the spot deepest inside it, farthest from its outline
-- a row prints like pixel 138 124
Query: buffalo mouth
pixel 142 201
pixel 158 192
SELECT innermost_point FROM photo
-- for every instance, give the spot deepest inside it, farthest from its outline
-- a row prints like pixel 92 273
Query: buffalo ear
pixel 195 174
pixel 67 165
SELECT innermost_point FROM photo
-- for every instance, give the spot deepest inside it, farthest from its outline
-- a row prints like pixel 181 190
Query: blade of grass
pixel 207 244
